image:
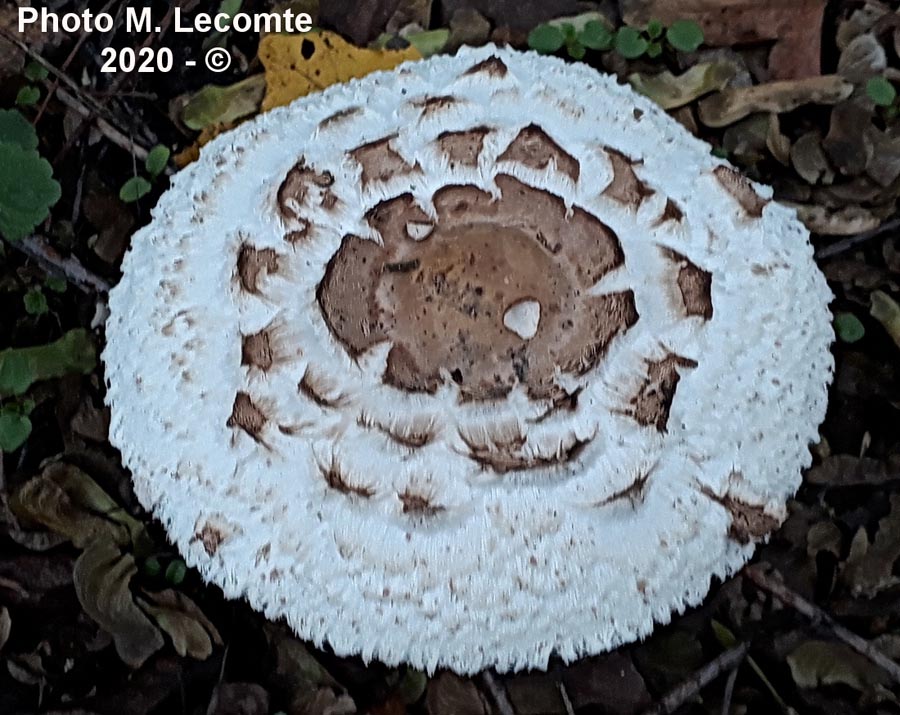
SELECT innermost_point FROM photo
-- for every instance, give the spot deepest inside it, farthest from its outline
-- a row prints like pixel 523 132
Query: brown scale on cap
pixel 432 106
pixel 247 416
pixel 749 522
pixel 742 190
pixel 418 505
pixel 256 351
pixel 336 479
pixel 252 263
pixel 634 492
pixel 463 147
pixel 211 537
pixel 300 186
pixel 492 66
pixel 695 285
pixel 316 388
pixel 671 212
pixel 626 187
pixel 339 117
pixel 502 459
pixel 535 149
pixel 653 401
pixel 441 300
pixel 380 161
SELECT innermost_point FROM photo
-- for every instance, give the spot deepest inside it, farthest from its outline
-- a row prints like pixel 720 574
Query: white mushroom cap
pixel 319 389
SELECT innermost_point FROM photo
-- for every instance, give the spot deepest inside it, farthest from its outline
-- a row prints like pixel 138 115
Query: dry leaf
pixel 848 146
pixel 734 104
pixel 868 569
pixel 887 312
pixel 842 222
pixel 670 91
pixel 238 699
pixel 795 26
pixel 809 160
pixel 844 470
pixel 297 65
pixel 468 27
pixel 215 105
pixel 102 576
pixel 448 693
pixel 5 626
pixel 817 663
pixel 192 633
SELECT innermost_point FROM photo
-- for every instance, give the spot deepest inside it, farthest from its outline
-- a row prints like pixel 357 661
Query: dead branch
pixel 69 267
pixel 688 689
pixel 498 693
pixel 774 584
pixel 851 242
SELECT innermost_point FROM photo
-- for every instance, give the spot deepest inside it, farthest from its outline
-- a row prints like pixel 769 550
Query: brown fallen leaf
pixel 887 312
pixel 809 160
pixel 448 693
pixel 102 577
pixel 192 633
pixel 817 663
pixel 297 65
pixel 517 14
pixel 864 57
pixel 734 104
pixel 844 470
pixel 238 699
pixel 5 626
pixel 608 681
pixel 670 91
pixel 796 27
pixel 468 27
pixel 408 13
pixel 777 141
pixel 868 569
pixel 841 222
pixel 847 144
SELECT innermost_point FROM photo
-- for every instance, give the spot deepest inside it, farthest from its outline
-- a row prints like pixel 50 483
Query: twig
pixel 68 267
pixel 498 692
pixel 105 128
pixel 567 701
pixel 729 691
pixel 690 688
pixel 773 584
pixel 852 242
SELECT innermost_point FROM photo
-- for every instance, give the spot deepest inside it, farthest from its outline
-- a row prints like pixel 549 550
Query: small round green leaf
pixel 156 160
pixel 28 96
pixel 15 129
pixel 848 327
pixel 175 572
pixel 35 72
pixel 152 567
pixel 654 50
pixel 35 302
pixel 881 91
pixel 27 190
pixel 630 44
pixel 14 430
pixel 575 49
pixel 135 188
pixel 685 35
pixel 546 38
pixel 596 36
pixel 654 29
pixel 56 284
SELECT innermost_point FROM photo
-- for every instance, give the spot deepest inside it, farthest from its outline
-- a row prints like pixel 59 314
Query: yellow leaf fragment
pixel 887 312
pixel 297 65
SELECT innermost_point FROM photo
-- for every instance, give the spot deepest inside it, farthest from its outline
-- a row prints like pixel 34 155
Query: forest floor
pixel 811 626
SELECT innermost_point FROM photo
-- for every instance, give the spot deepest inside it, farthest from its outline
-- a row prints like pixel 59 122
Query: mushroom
pixel 468 363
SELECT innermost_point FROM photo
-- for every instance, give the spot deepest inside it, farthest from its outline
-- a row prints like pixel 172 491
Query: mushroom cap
pixel 468 363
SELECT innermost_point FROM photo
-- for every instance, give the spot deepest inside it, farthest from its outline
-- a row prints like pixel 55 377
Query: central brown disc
pixel 451 294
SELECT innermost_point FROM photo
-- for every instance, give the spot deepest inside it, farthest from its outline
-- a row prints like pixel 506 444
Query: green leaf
pixel 654 29
pixel 28 96
pixel 223 105
pixel 569 31
pixel 21 367
pixel 723 634
pixel 887 312
pixel 15 129
pixel 630 44
pixel 881 91
pixel 27 190
pixel 575 49
pixel 35 72
pixel 430 42
pixel 35 302
pixel 654 50
pixel 156 160
pixel 152 567
pixel 135 188
pixel 546 38
pixel 14 430
pixel 56 284
pixel 596 36
pixel 175 572
pixel 685 35
pixel 848 327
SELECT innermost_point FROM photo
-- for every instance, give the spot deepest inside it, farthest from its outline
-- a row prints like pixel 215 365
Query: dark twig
pixel 690 688
pixel 498 693
pixel 773 584
pixel 729 691
pixel 68 267
pixel 851 242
